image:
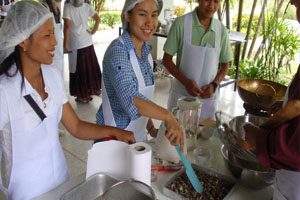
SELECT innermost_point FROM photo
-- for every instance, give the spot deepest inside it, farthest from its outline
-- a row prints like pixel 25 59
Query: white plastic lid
pixel 188 103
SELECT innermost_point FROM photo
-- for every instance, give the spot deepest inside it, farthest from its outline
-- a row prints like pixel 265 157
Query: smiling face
pixel 296 3
pixel 40 46
pixel 207 8
pixel 142 21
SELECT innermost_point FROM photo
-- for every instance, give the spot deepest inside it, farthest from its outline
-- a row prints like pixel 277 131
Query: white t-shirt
pixel 5 8
pixel 79 24
pixel 57 96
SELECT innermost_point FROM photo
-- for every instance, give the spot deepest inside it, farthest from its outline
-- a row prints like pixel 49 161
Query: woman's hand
pixel 66 50
pixel 123 135
pixel 174 132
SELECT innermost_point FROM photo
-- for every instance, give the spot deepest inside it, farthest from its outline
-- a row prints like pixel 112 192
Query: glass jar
pixel 188 112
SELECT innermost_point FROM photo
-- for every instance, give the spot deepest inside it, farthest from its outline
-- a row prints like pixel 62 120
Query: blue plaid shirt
pixel 121 82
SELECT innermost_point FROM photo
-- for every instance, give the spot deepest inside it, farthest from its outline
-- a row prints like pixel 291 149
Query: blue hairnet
pixel 23 19
pixel 129 5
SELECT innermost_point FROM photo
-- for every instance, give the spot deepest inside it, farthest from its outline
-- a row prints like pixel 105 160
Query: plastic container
pixel 201 156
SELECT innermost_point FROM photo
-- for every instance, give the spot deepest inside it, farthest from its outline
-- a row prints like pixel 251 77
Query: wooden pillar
pixel 227 8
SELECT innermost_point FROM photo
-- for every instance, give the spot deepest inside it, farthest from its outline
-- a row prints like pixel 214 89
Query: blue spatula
pixel 197 185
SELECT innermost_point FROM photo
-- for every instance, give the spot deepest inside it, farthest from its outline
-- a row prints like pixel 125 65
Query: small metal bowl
pixel 247 177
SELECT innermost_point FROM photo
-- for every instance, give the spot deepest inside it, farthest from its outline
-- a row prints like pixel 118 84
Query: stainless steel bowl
pixel 255 179
pixel 230 128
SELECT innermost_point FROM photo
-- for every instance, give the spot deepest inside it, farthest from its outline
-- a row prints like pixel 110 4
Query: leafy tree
pixel 98 5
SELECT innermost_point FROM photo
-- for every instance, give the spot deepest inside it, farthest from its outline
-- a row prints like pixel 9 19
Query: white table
pixel 216 162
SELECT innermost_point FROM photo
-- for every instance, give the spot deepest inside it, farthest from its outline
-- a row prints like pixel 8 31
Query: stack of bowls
pixel 251 175
pixel 247 169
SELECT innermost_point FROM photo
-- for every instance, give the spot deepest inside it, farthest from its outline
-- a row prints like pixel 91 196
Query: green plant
pixel 288 11
pixel 277 52
pixel 279 49
pixel 244 24
pixel 110 18
pixel 98 5
pixel 91 23
pixel 247 69
pixel 190 3
pixel 178 10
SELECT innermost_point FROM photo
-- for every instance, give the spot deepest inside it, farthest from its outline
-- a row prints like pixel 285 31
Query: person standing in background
pixel 203 50
pixel 4 8
pixel 58 60
pixel 85 74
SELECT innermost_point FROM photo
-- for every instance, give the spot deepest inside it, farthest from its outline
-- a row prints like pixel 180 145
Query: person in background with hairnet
pixel 33 101
pixel 4 8
pixel 85 74
pixel 277 141
pixel 203 50
pixel 128 82
pixel 58 60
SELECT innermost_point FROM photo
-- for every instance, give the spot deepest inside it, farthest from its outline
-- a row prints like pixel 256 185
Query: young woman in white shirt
pixel 33 101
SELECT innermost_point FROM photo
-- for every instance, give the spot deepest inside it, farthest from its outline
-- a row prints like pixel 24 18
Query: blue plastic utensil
pixel 197 185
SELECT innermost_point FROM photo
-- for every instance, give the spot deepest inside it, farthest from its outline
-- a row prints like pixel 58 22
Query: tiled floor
pixel 76 150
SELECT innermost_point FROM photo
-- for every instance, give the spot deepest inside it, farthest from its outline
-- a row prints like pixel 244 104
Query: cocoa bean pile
pixel 214 188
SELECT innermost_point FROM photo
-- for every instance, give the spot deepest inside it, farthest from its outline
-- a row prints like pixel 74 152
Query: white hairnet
pixel 129 5
pixel 77 3
pixel 24 18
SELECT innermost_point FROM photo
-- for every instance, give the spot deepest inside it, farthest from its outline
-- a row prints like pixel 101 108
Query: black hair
pixel 7 64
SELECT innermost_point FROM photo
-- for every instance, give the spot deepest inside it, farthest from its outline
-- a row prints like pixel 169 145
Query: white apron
pixel 38 162
pixel 73 45
pixel 287 183
pixel 58 60
pixel 199 64
pixel 138 126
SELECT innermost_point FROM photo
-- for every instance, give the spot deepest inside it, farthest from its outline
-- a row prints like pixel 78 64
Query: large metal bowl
pixel 228 125
pixel 261 93
pixel 255 179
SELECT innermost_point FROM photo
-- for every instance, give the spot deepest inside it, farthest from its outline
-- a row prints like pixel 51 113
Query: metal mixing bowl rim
pixel 242 167
pixel 130 181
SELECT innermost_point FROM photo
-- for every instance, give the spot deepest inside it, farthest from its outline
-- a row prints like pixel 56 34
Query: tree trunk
pixel 249 28
pixel 257 28
pixel 238 45
pixel 98 5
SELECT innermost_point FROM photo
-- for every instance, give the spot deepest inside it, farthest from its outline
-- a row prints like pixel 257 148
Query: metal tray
pixel 170 193
pixel 90 189
pixel 98 186
pixel 78 188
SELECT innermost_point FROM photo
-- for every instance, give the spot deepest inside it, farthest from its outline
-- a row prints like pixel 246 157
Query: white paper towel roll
pixel 108 157
pixel 140 161
pixel 120 160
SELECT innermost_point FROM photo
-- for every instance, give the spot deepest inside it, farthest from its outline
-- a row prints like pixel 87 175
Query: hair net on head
pixel 129 5
pixel 23 19
pixel 77 3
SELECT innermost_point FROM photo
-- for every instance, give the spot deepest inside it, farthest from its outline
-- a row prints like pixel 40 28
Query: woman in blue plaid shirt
pixel 128 83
